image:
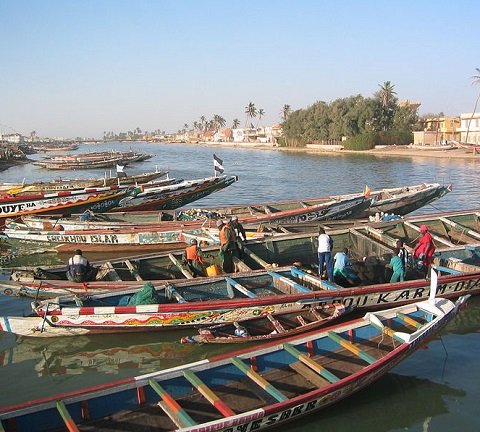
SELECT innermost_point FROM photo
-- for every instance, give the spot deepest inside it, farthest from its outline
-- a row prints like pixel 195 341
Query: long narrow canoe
pixel 254 389
pixel 56 185
pixel 268 326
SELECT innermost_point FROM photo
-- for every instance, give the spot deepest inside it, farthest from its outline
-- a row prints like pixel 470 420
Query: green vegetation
pixel 356 122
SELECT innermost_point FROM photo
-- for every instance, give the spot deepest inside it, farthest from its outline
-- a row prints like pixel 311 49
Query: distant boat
pixel 92 160
pixel 469 146
pixel 253 389
pixel 23 188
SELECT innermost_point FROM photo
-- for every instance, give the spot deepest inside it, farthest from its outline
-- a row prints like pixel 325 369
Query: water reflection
pixel 395 402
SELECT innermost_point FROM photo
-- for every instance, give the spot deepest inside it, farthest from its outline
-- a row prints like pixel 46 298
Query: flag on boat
pixel 218 164
pixel 120 172
pixel 367 191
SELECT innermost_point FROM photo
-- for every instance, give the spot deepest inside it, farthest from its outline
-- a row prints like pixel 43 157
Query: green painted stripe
pixel 409 320
pixel 262 382
pixel 69 423
pixel 352 348
pixel 182 414
pixel 329 376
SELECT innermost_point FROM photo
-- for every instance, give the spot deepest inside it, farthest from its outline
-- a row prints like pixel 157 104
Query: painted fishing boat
pixel 298 211
pixel 56 185
pixel 407 199
pixel 219 300
pixel 268 326
pixel 64 202
pixel 399 201
pixel 171 197
pixel 150 196
pixel 126 240
pixel 92 160
pixel 370 246
pixel 253 389
pixel 169 306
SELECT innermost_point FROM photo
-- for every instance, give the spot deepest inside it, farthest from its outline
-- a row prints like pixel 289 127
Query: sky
pixel 79 68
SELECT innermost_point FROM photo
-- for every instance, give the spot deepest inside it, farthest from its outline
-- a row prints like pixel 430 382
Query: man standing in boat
pixel 227 245
pixel 424 250
pixel 193 258
pixel 79 269
pixel 325 246
pixel 240 235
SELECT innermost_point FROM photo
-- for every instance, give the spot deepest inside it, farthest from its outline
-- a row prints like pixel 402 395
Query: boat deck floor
pixel 242 396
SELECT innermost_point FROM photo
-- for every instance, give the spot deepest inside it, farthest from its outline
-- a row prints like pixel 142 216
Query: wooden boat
pixel 56 185
pixel 469 146
pixel 172 306
pixel 230 298
pixel 99 200
pixel 65 202
pixel 92 160
pixel 268 326
pixel 253 389
pixel 173 196
pixel 400 201
pixel 300 211
pixel 126 239
pixel 370 248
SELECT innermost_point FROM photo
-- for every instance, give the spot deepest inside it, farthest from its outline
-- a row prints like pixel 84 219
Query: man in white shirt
pixel 325 245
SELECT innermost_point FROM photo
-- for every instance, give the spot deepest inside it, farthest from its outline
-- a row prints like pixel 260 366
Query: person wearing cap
pixel 193 258
pixel 424 249
pixel 240 234
pixel 228 245
pixel 79 269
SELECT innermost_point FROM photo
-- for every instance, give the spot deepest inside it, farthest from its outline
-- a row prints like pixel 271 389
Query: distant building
pixel 470 128
pixel 437 131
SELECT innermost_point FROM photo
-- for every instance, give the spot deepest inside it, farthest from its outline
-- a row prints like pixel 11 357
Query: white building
pixel 469 128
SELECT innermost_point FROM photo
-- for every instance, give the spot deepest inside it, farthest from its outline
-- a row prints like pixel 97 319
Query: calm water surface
pixel 433 390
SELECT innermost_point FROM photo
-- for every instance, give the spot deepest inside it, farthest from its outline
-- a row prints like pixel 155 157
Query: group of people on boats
pixel 231 235
pixel 339 270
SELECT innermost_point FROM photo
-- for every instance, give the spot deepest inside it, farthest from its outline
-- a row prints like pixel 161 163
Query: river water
pixel 433 390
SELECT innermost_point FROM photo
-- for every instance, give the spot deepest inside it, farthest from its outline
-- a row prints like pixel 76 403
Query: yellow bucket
pixel 213 270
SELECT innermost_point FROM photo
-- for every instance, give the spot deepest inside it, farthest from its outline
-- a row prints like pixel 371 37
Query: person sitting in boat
pixel 193 258
pixel 86 215
pixel 343 272
pixel 240 331
pixel 79 269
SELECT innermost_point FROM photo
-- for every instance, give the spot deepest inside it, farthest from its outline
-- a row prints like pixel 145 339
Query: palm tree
pixel 250 111
pixel 386 93
pixel 235 123
pixel 476 80
pixel 261 113
pixel 286 111
pixel 203 123
pixel 185 126
pixel 218 122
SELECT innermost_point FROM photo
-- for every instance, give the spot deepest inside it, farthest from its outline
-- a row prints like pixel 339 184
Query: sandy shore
pixel 380 151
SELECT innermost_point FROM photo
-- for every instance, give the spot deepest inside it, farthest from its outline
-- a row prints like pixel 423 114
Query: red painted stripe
pixel 141 398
